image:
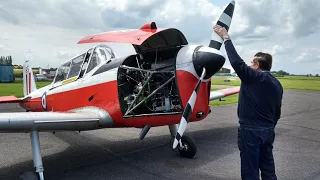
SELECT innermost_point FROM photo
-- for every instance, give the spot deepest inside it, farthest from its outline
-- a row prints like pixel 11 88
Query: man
pixel 259 109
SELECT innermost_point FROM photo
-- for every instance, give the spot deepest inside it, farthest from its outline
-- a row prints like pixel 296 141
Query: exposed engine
pixel 147 84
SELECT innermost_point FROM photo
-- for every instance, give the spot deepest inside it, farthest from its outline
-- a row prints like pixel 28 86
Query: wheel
pixel 189 147
pixel 29 176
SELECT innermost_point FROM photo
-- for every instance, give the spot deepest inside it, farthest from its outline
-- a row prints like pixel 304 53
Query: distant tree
pixel 5 60
pixel 317 75
pixel 1 61
pixel 281 72
pixel 10 60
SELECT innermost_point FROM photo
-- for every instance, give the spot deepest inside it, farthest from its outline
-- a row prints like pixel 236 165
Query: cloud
pixel 71 14
pixel 308 56
pixel 304 16
pixel 64 54
pixel 3 48
pixel 281 49
pixel 8 16
pixel 51 28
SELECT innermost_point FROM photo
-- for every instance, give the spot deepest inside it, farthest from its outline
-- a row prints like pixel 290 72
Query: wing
pixel 224 92
pixel 9 99
pixel 87 118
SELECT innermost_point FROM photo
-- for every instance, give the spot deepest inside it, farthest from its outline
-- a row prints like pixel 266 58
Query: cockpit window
pixel 100 54
pixel 94 61
pixel 105 54
pixel 76 66
pixel 62 72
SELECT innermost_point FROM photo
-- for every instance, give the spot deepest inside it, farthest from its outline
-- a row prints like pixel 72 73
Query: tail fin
pixel 29 84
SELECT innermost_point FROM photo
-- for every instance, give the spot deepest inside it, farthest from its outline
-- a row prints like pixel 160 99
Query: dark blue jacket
pixel 260 96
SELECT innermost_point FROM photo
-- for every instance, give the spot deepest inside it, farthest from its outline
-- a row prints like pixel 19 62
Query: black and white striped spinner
pixel 224 21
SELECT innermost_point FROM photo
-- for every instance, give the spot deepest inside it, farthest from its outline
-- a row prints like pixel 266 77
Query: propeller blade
pixel 187 111
pixel 223 21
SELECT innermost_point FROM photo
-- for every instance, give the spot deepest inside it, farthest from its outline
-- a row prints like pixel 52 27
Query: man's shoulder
pixel 276 82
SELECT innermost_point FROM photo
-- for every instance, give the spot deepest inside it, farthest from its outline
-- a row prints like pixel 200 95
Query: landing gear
pixel 37 160
pixel 188 148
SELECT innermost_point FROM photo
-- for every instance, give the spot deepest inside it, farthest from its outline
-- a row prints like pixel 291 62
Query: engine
pixel 147 84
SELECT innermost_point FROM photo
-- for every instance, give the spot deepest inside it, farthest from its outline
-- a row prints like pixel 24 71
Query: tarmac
pixel 119 154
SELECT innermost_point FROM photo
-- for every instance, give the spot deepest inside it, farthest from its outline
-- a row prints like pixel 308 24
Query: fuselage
pixel 100 88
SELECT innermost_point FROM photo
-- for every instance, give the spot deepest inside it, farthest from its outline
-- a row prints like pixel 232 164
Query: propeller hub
pixel 210 59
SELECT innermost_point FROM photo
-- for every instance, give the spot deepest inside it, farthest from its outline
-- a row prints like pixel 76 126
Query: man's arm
pixel 245 73
pixel 278 115
pixel 278 110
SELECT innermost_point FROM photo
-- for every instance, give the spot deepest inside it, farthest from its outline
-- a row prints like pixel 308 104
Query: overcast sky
pixel 48 30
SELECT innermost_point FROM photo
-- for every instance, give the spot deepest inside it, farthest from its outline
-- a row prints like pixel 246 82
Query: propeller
pixel 207 61
pixel 223 21
pixel 187 111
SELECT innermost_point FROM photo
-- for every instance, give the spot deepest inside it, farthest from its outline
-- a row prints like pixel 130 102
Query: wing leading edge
pixel 224 92
pixel 9 99
pixel 88 118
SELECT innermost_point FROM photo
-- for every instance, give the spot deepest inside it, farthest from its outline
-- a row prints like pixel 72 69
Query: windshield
pixel 102 53
pixel 62 72
pixel 69 69
pixel 76 66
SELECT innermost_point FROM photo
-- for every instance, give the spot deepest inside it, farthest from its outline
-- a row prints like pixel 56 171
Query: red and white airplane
pixel 167 82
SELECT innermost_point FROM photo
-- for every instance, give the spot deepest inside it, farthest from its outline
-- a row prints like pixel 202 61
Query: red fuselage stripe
pixel 105 96
pixel 29 83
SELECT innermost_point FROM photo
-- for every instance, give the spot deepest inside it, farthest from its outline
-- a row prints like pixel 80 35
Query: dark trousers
pixel 255 145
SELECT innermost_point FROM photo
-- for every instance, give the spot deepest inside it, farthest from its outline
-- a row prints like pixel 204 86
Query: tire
pixel 29 176
pixel 191 148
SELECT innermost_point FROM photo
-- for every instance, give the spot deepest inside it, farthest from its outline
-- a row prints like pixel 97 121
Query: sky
pixel 47 31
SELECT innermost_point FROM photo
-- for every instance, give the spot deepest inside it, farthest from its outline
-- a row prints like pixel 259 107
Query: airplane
pixel 167 82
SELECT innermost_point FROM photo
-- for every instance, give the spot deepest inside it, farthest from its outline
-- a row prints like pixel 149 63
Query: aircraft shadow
pixel 89 156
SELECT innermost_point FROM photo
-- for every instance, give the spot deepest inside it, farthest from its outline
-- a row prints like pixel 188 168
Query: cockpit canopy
pixel 84 63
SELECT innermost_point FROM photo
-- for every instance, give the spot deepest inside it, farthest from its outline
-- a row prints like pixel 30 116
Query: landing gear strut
pixel 188 148
pixel 37 160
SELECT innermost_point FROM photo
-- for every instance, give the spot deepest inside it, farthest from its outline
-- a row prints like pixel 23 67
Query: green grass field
pixel 16 88
pixel 233 99
pixel 19 72
pixel 288 82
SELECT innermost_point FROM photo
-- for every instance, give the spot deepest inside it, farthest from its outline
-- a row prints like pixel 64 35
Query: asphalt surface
pixel 119 154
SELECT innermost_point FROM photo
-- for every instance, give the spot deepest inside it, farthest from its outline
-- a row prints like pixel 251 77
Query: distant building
pixel 225 70
pixel 6 73
pixel 49 73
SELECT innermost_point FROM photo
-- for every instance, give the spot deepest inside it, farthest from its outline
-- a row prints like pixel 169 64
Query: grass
pixel 19 72
pixel 233 99
pixel 288 82
pixel 16 88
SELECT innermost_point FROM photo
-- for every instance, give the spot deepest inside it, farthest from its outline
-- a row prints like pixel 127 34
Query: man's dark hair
pixel 264 60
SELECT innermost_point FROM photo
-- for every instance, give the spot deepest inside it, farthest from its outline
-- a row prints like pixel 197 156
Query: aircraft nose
pixel 210 58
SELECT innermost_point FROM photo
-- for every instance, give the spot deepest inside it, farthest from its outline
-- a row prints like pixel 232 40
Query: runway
pixel 119 154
